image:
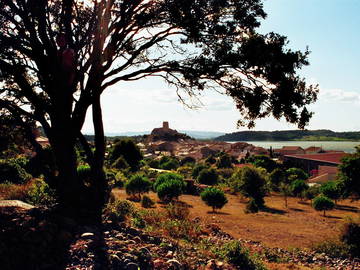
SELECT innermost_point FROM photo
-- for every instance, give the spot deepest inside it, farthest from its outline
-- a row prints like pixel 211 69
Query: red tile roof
pixel 324 157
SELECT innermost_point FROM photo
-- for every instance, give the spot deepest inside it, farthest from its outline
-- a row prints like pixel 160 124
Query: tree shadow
pixel 218 213
pixel 296 209
pixel 332 217
pixel 272 210
pixel 347 208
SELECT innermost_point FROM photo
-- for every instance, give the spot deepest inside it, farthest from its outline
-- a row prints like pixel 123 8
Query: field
pixel 298 226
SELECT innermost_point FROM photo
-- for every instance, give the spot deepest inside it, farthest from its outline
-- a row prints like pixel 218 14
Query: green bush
pixel 172 164
pixel 276 177
pixel 147 202
pixel 129 151
pixel 251 207
pixel 11 171
pixel 137 185
pixel 224 161
pixel 332 190
pixel 239 256
pixel 84 173
pixel 40 194
pixel 323 203
pixel 178 210
pixel 312 192
pixel 187 161
pixel 170 189
pixel 120 163
pixel 165 177
pixel 350 235
pixel 214 198
pixel 197 169
pixel 298 187
pixel 153 163
pixel 208 177
pixel 119 210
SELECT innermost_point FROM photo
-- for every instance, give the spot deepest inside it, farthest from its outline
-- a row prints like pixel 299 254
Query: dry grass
pixel 297 226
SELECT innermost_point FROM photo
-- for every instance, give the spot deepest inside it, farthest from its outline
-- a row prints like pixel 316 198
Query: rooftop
pixel 334 157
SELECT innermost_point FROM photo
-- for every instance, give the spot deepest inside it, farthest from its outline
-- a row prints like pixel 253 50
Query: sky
pixel 329 28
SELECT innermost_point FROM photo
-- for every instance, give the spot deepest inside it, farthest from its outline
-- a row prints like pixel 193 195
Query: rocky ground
pixel 39 239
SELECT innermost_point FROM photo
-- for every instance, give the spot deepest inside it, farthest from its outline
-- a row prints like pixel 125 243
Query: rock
pixel 16 204
pixel 169 254
pixel 175 264
pixel 137 239
pixel 159 264
pixel 145 252
pixel 131 266
pixel 88 235
pixel 211 265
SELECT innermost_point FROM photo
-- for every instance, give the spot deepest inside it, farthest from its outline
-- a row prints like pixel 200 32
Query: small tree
pixel 208 177
pixel 129 151
pixel 214 198
pixel 120 163
pixel 224 161
pixel 331 190
pixel 197 169
pixel 137 185
pixel 164 177
pixel 170 189
pixel 349 174
pixel 298 187
pixel 285 191
pixel 323 203
pixel 293 174
pixel 276 177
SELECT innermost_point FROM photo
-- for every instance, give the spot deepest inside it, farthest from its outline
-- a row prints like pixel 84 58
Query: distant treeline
pixel 291 135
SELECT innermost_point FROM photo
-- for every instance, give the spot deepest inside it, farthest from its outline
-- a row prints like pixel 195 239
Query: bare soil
pixel 298 226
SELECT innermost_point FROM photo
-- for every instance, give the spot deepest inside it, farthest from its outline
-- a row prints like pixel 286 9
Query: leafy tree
pixel 210 159
pixel 92 45
pixel 214 198
pixel 263 162
pixel 129 151
pixel 120 163
pixel 172 164
pixel 187 161
pixel 251 183
pixel 312 192
pixel 276 177
pixel 349 175
pixel 137 185
pixel 11 171
pixel 323 203
pixel 332 190
pixel 298 187
pixel 153 163
pixel 293 174
pixel 224 161
pixel 208 176
pixel 251 207
pixel 285 190
pixel 162 178
pixel 170 189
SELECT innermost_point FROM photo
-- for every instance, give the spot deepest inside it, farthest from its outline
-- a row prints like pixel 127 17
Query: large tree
pixel 58 56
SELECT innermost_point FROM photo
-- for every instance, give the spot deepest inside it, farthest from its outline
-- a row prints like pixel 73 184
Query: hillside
pixel 290 135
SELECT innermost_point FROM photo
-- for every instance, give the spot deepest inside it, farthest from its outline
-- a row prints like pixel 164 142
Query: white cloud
pixel 339 95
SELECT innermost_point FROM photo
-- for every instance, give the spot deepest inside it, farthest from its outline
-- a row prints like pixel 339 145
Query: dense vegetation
pixel 291 135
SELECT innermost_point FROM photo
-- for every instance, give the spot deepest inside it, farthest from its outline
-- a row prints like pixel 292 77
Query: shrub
pixel 333 248
pixel 118 210
pixel 224 161
pixel 331 190
pixel 197 169
pixel 147 202
pixel 208 177
pixel 225 173
pixel 170 189
pixel 154 163
pixel 350 235
pixel 39 193
pixel 251 207
pixel 11 171
pixel 178 210
pixel 312 192
pixel 293 174
pixel 185 171
pixel 137 185
pixel 322 203
pixel 239 256
pixel 214 198
pixel 129 151
pixel 187 161
pixel 276 177
pixel 172 164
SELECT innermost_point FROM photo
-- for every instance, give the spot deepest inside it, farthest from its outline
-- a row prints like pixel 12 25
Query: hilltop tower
pixel 165 125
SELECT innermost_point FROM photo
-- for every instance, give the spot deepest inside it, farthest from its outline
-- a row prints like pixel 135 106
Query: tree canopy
pixel 59 56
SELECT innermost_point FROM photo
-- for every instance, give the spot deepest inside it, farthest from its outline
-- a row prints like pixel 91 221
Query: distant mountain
pixel 192 133
pixel 291 135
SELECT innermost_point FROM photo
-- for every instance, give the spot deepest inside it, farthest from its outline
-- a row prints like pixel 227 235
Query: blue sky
pixel 331 31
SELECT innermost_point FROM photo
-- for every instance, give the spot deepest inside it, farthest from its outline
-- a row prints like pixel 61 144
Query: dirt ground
pixel 298 226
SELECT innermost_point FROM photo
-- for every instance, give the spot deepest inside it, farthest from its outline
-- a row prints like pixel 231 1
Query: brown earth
pixel 298 226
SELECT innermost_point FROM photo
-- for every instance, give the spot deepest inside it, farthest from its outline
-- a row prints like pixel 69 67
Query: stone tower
pixel 165 125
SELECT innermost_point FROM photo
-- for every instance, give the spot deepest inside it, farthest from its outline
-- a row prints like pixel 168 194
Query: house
pixel 313 150
pixel 324 174
pixel 289 150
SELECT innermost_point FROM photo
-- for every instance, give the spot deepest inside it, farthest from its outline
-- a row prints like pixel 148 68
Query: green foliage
pixel 298 187
pixel 162 178
pixel 214 198
pixel 239 256
pixel 172 164
pixel 187 161
pixel 293 174
pixel 332 190
pixel 350 235
pixel 208 177
pixel 263 162
pixel 251 183
pixel 224 161
pixel 177 210
pixel 11 171
pixel 120 163
pixel 129 151
pixel 225 173
pixel 137 185
pixel 147 202
pixel 349 175
pixel 84 173
pixel 185 171
pixel 198 168
pixel 170 189
pixel 153 163
pixel 333 248
pixel 210 160
pixel 251 207
pixel 322 203
pixel 40 194
pixel 276 177
pixel 118 210
pixel 312 192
